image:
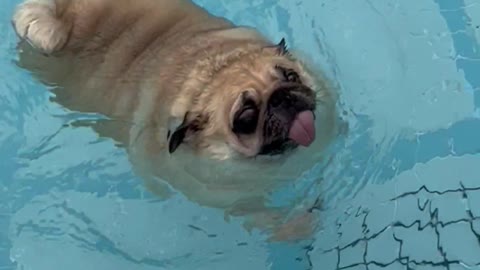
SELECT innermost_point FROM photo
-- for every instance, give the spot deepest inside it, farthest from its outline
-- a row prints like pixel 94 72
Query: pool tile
pixel 383 249
pixel 379 218
pixel 450 207
pixel 418 244
pixel 474 202
pixel 325 261
pixel 459 242
pixel 393 266
pixel 412 209
pixel 352 229
pixel 352 255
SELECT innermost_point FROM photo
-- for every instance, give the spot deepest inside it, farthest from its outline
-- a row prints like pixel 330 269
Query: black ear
pixel 282 47
pixel 176 138
pixel 188 126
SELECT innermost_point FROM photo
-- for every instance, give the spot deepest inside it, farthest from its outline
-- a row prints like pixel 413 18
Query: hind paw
pixel 35 21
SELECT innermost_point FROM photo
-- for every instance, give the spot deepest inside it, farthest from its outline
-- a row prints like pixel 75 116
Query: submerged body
pixel 197 102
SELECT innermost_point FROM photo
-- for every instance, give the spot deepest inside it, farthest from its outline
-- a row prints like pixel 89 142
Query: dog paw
pixel 35 21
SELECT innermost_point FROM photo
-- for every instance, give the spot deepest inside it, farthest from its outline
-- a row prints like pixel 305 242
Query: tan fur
pixel 145 63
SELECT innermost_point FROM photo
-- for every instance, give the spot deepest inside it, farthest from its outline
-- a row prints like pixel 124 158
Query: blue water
pixel 401 192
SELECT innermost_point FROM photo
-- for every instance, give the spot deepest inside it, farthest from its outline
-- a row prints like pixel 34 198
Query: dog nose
pixel 281 96
pixel 294 98
pixel 277 98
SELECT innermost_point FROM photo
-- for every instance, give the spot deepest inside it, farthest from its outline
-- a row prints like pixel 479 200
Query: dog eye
pixel 245 121
pixel 289 75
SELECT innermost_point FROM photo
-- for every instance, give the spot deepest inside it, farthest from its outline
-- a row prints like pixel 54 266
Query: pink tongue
pixel 303 129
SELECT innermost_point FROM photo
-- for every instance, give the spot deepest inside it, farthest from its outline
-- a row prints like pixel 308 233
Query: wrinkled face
pixel 261 104
pixel 274 110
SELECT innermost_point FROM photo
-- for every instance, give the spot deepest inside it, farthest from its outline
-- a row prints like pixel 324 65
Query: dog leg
pixel 38 23
pixel 300 227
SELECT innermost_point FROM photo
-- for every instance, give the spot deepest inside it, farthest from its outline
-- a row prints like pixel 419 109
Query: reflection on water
pixel 400 192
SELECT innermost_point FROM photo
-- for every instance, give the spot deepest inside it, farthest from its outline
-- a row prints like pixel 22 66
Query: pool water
pixel 401 191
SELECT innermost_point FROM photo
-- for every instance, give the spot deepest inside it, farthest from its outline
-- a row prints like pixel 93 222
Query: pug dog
pixel 202 106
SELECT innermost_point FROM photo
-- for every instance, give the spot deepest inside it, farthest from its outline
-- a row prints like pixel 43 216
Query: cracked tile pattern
pixel 440 231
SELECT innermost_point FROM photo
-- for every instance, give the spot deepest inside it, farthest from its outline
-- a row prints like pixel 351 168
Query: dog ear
pixel 176 138
pixel 187 127
pixel 280 48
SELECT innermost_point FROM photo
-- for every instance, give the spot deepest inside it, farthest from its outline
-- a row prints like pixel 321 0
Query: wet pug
pixel 215 110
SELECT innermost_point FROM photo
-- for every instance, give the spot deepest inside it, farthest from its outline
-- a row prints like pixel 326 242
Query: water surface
pixel 401 191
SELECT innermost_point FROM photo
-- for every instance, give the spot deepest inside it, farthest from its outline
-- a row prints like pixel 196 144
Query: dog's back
pixel 98 51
